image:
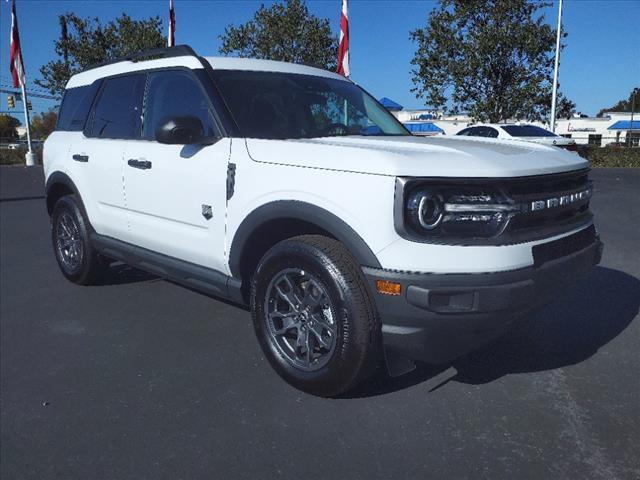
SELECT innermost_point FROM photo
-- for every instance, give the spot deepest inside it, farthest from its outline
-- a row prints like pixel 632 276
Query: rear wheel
pixel 76 257
pixel 314 316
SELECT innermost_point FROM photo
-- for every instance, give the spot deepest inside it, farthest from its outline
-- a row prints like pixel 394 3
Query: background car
pixel 516 131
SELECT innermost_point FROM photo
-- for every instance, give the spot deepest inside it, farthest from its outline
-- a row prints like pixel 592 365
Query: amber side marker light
pixel 386 287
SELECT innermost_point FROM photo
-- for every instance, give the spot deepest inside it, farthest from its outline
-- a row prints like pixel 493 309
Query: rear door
pixel 115 119
pixel 176 194
pixel 72 116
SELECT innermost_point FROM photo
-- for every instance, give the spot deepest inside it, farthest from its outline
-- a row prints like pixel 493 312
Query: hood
pixel 418 156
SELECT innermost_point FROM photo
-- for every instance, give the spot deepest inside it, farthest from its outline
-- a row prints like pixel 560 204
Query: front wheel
pixel 314 316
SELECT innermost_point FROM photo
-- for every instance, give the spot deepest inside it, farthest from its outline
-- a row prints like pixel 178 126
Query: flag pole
pixel 19 78
pixel 343 51
pixel 172 26
pixel 555 70
pixel 29 157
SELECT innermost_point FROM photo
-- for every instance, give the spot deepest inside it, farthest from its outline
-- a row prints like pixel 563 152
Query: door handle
pixel 80 158
pixel 141 164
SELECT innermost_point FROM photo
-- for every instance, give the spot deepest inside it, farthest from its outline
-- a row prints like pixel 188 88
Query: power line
pixel 30 85
pixel 30 93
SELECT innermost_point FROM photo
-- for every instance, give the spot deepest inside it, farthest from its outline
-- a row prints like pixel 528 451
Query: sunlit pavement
pixel 140 378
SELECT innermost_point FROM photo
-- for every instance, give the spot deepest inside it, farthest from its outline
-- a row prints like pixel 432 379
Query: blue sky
pixel 600 64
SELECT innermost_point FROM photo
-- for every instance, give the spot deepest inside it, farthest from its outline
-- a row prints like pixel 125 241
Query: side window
pixel 117 111
pixel 465 132
pixel 175 93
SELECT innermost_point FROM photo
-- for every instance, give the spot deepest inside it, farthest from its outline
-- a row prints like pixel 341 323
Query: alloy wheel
pixel 301 319
pixel 68 242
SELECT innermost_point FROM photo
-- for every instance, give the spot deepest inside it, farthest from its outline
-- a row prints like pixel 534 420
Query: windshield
pixel 527 131
pixel 276 105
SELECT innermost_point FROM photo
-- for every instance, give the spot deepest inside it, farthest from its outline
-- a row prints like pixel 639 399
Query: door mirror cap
pixel 187 130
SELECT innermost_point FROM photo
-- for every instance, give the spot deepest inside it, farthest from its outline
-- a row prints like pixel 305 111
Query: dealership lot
pixel 140 378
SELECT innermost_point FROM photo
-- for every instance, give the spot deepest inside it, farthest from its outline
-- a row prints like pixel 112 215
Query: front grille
pixel 546 252
pixel 540 185
pixel 530 224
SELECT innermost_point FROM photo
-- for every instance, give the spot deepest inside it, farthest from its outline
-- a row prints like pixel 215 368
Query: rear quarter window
pixel 75 107
pixel 488 132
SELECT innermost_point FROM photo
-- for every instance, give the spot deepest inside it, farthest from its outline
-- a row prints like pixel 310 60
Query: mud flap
pixel 397 364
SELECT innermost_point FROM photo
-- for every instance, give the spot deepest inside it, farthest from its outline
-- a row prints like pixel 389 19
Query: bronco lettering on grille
pixel 552 202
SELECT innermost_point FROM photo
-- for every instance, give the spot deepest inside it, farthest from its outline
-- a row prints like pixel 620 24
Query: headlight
pixel 425 210
pixel 458 212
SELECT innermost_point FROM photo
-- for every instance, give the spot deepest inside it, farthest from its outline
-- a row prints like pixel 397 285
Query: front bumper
pixel 438 317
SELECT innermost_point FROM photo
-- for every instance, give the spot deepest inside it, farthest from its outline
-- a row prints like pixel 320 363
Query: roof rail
pixel 312 65
pixel 154 54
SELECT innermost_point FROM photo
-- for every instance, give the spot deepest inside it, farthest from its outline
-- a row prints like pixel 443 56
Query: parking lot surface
pixel 142 379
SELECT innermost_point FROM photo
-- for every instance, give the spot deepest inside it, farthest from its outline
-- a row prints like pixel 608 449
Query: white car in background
pixel 519 131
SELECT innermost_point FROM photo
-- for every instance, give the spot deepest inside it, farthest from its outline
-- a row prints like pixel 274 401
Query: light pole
pixel 555 71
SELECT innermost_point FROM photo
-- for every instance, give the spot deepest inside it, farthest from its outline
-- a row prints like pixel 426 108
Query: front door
pixel 176 194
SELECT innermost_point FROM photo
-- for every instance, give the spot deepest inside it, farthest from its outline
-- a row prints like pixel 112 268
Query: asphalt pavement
pixel 142 379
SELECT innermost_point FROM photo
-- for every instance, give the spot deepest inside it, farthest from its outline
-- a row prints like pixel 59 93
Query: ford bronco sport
pixel 290 189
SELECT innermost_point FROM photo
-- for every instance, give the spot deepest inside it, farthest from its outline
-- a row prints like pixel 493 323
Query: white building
pixel 612 127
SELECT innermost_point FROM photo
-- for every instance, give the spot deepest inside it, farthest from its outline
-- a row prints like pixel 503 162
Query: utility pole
pixel 555 71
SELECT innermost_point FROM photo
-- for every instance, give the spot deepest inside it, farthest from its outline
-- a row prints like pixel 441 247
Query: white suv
pixel 290 189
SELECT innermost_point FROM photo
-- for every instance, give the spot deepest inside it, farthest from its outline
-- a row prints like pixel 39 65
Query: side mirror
pixel 187 130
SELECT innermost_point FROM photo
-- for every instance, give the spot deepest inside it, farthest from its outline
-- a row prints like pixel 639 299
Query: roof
pixel 423 127
pixel 253 64
pixel 89 76
pixel 390 104
pixel 134 64
pixel 625 125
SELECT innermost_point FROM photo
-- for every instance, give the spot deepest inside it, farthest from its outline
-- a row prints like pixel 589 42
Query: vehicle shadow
pixel 121 274
pixel 564 333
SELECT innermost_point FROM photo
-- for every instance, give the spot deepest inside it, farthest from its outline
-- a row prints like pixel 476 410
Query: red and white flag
pixel 16 65
pixel 172 25
pixel 343 46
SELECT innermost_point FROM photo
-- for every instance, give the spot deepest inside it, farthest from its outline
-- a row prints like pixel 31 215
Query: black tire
pixel 332 270
pixel 68 220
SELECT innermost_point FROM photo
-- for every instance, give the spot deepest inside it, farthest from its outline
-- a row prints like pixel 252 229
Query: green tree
pixel 8 126
pixel 286 32
pixel 625 105
pixel 43 124
pixel 491 58
pixel 85 41
pixel 565 108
